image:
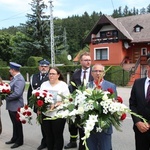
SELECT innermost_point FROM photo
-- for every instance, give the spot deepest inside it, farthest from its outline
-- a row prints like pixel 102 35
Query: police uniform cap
pixel 44 62
pixel 14 66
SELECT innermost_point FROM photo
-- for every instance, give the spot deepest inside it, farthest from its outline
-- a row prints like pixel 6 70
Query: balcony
pixel 98 40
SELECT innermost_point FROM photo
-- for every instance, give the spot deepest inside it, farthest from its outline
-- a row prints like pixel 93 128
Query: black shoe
pixel 71 145
pixel 16 145
pixel 9 142
pixel 41 147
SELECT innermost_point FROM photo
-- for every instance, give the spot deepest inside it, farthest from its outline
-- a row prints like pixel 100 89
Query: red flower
pixel 24 113
pixel 110 90
pixel 50 95
pixel 119 99
pixel 3 91
pixel 123 116
pixel 26 107
pixel 44 94
pixel 7 85
pixel 40 103
pixel 17 117
pixel 18 109
pixel 7 91
pixel 23 121
pixel 28 113
pixel 37 94
pixel 45 90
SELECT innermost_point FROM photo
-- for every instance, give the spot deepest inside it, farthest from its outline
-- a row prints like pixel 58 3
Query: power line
pixel 14 16
pixel 112 4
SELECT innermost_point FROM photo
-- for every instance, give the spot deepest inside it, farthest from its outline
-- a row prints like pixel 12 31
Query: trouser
pixel 99 141
pixel 17 128
pixel 43 140
pixel 142 140
pixel 53 130
pixel 73 129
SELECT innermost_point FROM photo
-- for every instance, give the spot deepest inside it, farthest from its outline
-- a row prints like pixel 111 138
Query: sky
pixel 13 12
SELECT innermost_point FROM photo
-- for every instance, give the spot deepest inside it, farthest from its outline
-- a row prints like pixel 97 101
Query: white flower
pixel 99 129
pixel 80 110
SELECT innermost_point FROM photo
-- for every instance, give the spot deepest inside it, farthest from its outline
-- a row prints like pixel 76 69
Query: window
pixel 143 51
pixel 101 53
pixel 137 28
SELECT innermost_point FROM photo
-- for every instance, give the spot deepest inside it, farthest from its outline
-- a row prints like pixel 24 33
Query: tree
pixel 148 8
pixel 143 11
pixel 5 50
pixel 36 30
pixel 19 52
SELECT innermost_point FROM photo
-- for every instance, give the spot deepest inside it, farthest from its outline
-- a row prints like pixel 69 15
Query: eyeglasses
pixel 44 66
pixel 97 70
pixel 52 74
pixel 86 60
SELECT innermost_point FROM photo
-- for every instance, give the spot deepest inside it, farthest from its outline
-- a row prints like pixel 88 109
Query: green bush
pixel 33 61
pixel 3 63
pixel 115 74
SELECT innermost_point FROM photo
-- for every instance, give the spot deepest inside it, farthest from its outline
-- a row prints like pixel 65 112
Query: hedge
pixel 115 74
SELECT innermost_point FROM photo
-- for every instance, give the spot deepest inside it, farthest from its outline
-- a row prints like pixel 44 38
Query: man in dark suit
pixel 100 140
pixel 15 101
pixel 35 82
pixel 139 103
pixel 79 75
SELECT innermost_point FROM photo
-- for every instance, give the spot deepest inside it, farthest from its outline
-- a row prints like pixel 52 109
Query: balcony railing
pixel 98 40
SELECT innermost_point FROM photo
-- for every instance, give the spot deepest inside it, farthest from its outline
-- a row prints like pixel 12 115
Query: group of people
pixel 51 79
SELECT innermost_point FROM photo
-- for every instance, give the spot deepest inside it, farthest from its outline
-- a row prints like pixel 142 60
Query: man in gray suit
pixel 15 101
pixel 100 140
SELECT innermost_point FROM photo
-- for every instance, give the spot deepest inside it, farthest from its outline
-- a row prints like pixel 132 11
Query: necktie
pixel 42 76
pixel 84 75
pixel 148 93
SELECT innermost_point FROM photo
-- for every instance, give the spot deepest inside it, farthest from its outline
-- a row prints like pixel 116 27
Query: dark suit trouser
pixel 17 128
pixel 53 130
pixel 142 140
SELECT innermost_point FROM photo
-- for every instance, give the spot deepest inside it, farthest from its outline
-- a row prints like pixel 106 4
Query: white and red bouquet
pixel 41 100
pixel 24 114
pixel 5 90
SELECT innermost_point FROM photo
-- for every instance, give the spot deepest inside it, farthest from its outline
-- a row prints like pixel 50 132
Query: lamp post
pixel 52 35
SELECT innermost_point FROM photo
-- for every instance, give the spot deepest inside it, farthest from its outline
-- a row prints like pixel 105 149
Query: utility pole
pixel 52 35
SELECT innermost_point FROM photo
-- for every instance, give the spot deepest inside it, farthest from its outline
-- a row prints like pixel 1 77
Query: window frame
pixel 101 48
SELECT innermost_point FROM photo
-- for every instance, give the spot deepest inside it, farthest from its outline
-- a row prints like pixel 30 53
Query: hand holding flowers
pixel 5 90
pixel 41 100
pixel 24 114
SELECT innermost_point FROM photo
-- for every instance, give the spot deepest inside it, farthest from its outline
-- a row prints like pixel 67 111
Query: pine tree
pixel 36 29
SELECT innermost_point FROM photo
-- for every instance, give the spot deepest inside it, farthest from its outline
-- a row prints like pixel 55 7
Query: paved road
pixel 121 140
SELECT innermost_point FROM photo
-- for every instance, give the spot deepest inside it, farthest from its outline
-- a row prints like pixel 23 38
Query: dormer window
pixel 138 28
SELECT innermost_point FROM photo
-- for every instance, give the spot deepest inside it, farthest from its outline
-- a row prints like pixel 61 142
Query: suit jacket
pixel 76 78
pixel 15 99
pixel 35 83
pixel 137 100
pixel 105 85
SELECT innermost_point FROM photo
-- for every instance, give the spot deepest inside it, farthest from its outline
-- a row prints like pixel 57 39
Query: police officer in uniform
pixel 35 82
